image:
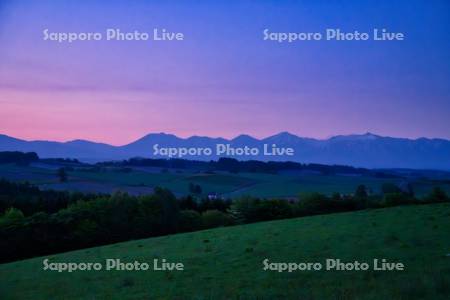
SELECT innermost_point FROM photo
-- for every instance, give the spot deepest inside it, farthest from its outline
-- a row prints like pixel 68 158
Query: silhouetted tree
pixel 62 175
pixel 195 188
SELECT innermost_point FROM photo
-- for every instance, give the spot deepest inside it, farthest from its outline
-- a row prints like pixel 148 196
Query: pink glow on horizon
pixel 121 118
pixel 223 80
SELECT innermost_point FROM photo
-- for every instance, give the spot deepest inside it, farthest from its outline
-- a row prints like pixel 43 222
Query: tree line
pixel 44 226
pixel 17 157
pixel 235 166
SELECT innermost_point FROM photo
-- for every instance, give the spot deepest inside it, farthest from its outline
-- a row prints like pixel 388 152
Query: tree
pixel 189 220
pixel 215 218
pixel 13 214
pixel 361 191
pixel 393 199
pixel 361 197
pixel 195 188
pixel 20 158
pixel 246 208
pixel 437 195
pixel 187 203
pixel 62 175
pixel 390 188
pixel 313 203
pixel 198 189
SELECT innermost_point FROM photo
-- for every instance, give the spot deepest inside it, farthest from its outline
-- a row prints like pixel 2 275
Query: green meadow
pixel 226 263
pixel 264 185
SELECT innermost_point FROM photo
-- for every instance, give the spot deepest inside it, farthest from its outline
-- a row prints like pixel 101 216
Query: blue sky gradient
pixel 223 79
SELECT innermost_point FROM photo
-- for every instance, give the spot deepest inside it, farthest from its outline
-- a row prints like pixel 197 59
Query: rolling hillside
pixel 227 263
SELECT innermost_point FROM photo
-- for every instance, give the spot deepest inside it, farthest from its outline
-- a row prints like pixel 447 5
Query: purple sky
pixel 223 79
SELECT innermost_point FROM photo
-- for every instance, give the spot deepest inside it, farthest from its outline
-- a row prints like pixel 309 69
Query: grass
pixel 131 178
pixel 226 263
pixel 211 183
pixel 280 185
pixel 227 184
pixel 27 173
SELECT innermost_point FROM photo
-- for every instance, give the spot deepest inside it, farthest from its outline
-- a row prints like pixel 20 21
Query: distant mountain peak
pixel 360 150
pixel 78 141
pixel 82 142
pixel 157 135
pixel 283 137
pixel 244 137
pixel 369 135
pixel 286 134
pixel 357 137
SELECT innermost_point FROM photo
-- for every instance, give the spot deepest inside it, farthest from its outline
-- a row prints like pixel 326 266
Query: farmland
pixel 141 180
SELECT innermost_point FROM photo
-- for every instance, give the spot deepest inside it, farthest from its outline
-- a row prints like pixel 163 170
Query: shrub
pixel 314 203
pixel 437 195
pixel 393 199
pixel 246 208
pixel 12 215
pixel 215 218
pixel 62 175
pixel 189 220
pixel 188 203
pixel 274 209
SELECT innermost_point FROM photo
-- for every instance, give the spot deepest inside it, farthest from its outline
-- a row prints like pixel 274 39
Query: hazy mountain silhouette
pixel 365 150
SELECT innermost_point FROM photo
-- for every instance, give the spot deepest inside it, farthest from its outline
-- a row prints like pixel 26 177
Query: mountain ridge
pixel 360 150
pixel 281 133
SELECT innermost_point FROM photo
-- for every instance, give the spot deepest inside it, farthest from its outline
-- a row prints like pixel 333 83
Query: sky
pixel 223 79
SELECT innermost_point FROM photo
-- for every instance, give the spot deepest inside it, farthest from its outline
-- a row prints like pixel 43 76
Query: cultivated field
pixel 143 180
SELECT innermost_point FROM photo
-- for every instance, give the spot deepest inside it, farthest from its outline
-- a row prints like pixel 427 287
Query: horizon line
pixel 220 137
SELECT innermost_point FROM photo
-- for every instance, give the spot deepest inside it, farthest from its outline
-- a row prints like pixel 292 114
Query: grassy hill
pixel 226 263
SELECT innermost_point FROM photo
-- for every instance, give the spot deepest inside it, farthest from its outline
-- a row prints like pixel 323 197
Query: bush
pixel 274 209
pixel 188 203
pixel 189 220
pixel 247 208
pixel 215 218
pixel 313 203
pixel 437 195
pixel 62 175
pixel 12 215
pixel 393 199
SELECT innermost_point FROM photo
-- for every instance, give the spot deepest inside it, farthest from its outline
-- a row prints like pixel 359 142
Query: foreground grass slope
pixel 226 263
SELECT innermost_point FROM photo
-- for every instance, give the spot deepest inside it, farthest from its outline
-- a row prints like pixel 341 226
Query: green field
pixel 226 263
pixel 280 185
pixel 141 181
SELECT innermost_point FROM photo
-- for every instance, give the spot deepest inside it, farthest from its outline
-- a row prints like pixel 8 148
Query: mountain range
pixel 359 150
